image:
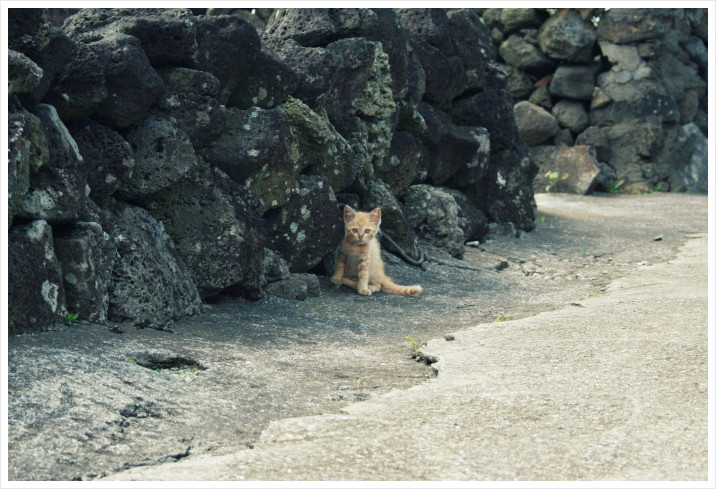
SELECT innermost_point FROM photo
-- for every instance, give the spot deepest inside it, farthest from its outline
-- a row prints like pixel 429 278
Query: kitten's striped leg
pixel 363 276
pixel 340 268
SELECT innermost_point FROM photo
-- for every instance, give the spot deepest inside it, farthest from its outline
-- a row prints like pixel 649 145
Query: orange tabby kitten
pixel 359 264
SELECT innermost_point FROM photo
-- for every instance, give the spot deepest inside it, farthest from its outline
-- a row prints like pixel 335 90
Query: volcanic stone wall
pixel 162 157
pixel 609 99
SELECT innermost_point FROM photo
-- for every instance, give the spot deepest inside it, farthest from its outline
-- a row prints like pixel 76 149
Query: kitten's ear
pixel 348 214
pixel 375 216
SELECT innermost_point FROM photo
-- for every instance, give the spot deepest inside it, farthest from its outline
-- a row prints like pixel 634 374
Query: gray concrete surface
pixel 612 387
pixel 328 388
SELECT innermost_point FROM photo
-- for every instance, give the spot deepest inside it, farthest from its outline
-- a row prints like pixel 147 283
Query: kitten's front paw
pixel 364 291
pixel 336 280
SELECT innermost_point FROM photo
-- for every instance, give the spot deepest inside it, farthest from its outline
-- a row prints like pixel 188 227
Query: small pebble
pixel 449 337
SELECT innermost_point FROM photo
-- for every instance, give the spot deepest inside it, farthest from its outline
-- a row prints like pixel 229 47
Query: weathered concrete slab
pixel 609 388
pixel 89 401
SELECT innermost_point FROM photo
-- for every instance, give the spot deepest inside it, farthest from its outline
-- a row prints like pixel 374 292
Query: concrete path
pixel 610 388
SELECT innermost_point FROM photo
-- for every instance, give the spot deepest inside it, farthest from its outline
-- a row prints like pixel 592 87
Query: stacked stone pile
pixel 608 99
pixel 159 158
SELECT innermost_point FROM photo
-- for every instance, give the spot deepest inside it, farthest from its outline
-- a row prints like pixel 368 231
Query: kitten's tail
pixel 392 288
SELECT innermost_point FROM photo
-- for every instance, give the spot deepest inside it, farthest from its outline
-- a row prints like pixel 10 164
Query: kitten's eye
pixel 367 231
pixel 354 230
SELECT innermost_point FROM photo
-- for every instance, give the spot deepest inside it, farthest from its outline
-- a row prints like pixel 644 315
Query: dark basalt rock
pixel 257 17
pixel 505 193
pixel 289 30
pixel 162 155
pixel 28 29
pixel 628 25
pixel 23 75
pixel 639 99
pixel 227 47
pixel 519 83
pixel 360 103
pixel 267 87
pixel 445 76
pixel 524 55
pixel 566 36
pixel 571 114
pixel 167 36
pixel 57 53
pixel 407 74
pixel 576 169
pixel 688 147
pixel 298 287
pixel 563 137
pixel 471 220
pixel 594 136
pixel 308 227
pixel 108 158
pixel 86 255
pixel 191 100
pixel 79 86
pixel 216 228
pixel 323 151
pixel 18 165
pixel 493 110
pixel 574 81
pixel 58 189
pixel 259 150
pixel 37 297
pixel 433 214
pixel 131 82
pixel 535 124
pixel 27 153
pixel 318 27
pixel 452 148
pixel 472 45
pixel 275 268
pixel 508 20
pixel 408 158
pixel 349 79
pixel 542 97
pixel 635 144
pixel 478 149
pixel 150 285
pixel 315 68
pixel 368 95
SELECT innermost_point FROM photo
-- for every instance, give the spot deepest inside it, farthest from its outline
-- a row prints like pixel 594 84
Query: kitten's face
pixel 361 227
